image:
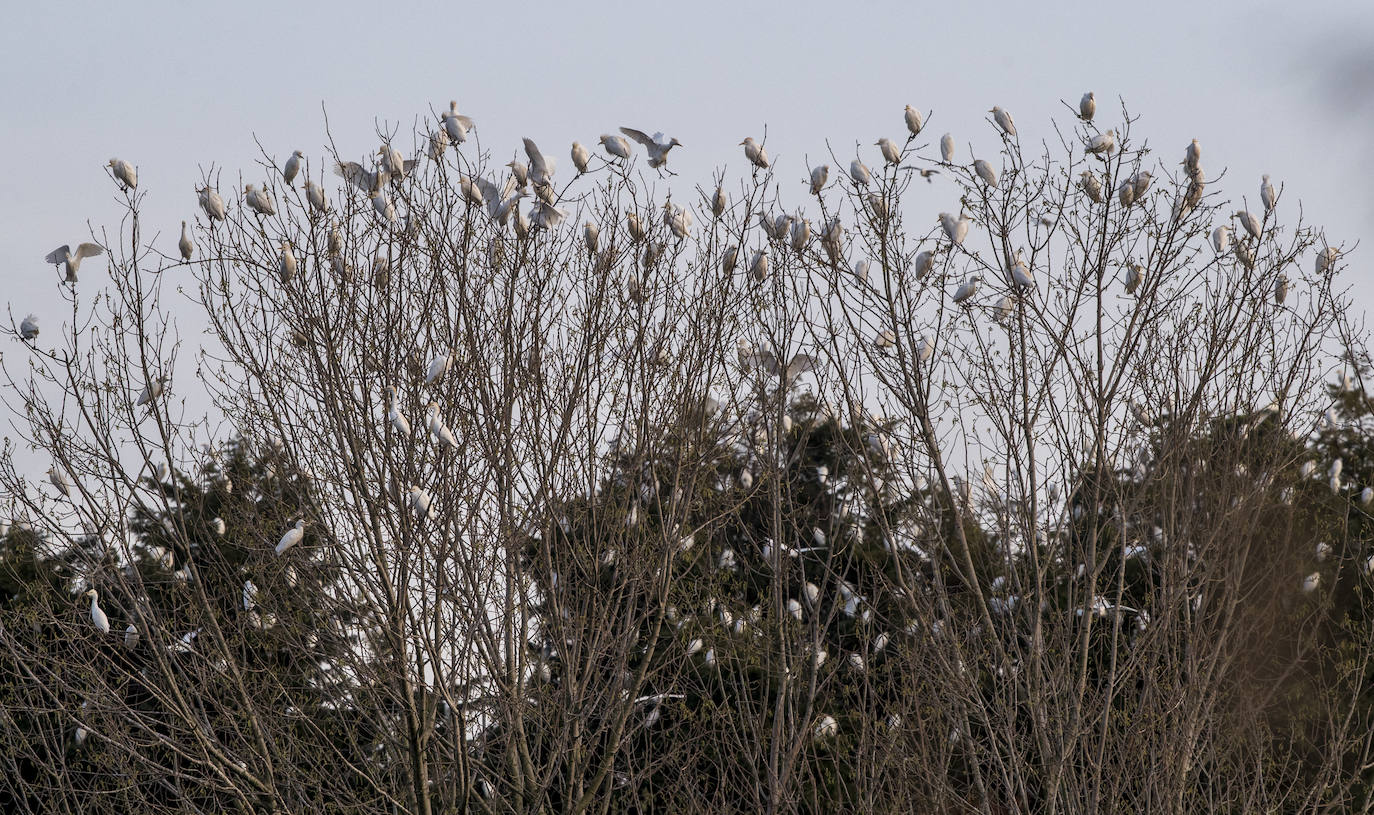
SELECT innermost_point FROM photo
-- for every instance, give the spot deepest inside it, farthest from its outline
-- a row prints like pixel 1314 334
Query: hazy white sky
pixel 1272 87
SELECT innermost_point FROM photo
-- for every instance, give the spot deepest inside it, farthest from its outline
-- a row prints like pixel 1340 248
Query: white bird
pixel 826 727
pixel 547 216
pixel 801 234
pixel 1310 583
pixel 914 122
pixel 1336 467
pixel 438 144
pixel 580 157
pixel 258 200
pixel 657 145
pixel 755 153
pixel 292 537
pixel 421 503
pixel 1280 290
pixel 1326 260
pixel 1221 239
pixel 795 609
pixel 758 264
pixel 360 177
pixel 131 637
pixel 152 391
pixel 1192 157
pixel 439 429
pixel 946 148
pixel 1267 194
pixel 541 169
pixel 1126 193
pixel 819 175
pixel 293 166
pixel 286 266
pixel 184 245
pixel 124 172
pixel 456 125
pixel 1141 182
pixel 1003 120
pixel 1091 185
pixel 381 204
pixel 1250 222
pixel 1245 255
pixel 59 480
pixel 985 172
pixel 729 258
pixel 591 236
pixel 923 263
pixel 956 229
pixel 218 526
pixel 212 203
pixel 1003 309
pixel 1366 495
pixel 1021 273
pixel 315 195
pixel 1135 275
pixel 886 340
pixel 719 203
pixel 616 146
pixel 102 623
pixel 439 367
pixel 249 597
pixel 395 165
pixel 967 289
pixel 635 226
pixel 398 420
pixel 859 173
pixel 1087 107
pixel 71 261
pixel 28 329
pixel 889 150
pixel 1102 143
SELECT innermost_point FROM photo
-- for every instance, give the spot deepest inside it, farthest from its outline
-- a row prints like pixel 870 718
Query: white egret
pixel 1307 468
pixel 956 229
pixel 152 390
pixel 946 148
pixel 1366 495
pixel 249 596
pixel 131 637
pixel 617 146
pixel 718 203
pixel 541 169
pixel 1021 273
pixel 1126 193
pixel 1192 157
pixel 1135 275
pixel 795 609
pixel 1141 182
pixel 519 172
pixel 1280 290
pixel 64 257
pixel 1003 309
pixel 1091 185
pixel 547 216
pixel 1326 260
pixel 1221 239
pixel 886 340
pixel 1267 194
pixel 729 258
pixel 286 266
pixel 28 328
pixel 184 245
pixel 758 264
pixel 421 503
pixel 102 623
pixel 315 195
pixel 1102 143
pixel 439 429
pixel 438 144
pixel 439 367
pixel 819 175
pixel 217 525
pixel 472 192
pixel 1245 254
pixel 1087 107
pixel 801 234
pixel 755 153
pixel 292 537
pixel 381 204
pixel 258 200
pixel 827 727
pixel 889 150
pixel 398 420
pixel 914 122
pixel 456 124
pixel 124 172
pixel 985 172
pixel 293 166
pixel 859 173
pixel 695 646
pixel 860 270
pixel 591 236
pixel 212 203
pixel 1250 222
pixel 59 480
pixel 657 145
pixel 923 263
pixel 1311 582
pixel 360 177
pixel 580 157
pixel 1003 120
pixel 967 289
pixel 635 226
pixel 1335 483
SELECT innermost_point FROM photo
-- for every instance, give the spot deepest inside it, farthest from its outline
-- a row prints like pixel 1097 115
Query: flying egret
pixel 985 172
pixel 152 390
pixel 258 200
pixel 131 637
pixel 1192 156
pixel 59 480
pixel 456 124
pixel 315 195
pixel 956 229
pixel 286 266
pixel 541 168
pixel 1091 185
pixel 729 258
pixel 184 245
pixel 1135 275
pixel 1326 260
pixel 1221 239
pixel 71 261
pixel 292 537
pixel 591 236
pixel 1003 120
pixel 967 289
pixel 889 150
pixel 859 173
pixel 439 429
pixel 946 148
pixel 363 179
pixel 914 122
pixel 1021 273
pixel 758 264
pixel 293 166
pixel 546 216
pixel 617 146
pixel 819 175
pixel 1250 222
pixel 212 203
pixel 1267 194
pixel 923 263
pixel 102 623
pixel 28 329
pixel 755 153
pixel 657 145
pixel 801 234
pixel 580 157
pixel 1087 107
pixel 1102 143
pixel 718 203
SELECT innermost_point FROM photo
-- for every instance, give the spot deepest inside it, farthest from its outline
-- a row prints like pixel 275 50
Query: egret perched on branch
pixel 819 175
pixel 914 122
pixel 293 166
pixel 1267 194
pixel 1135 275
pixel 212 203
pixel 438 144
pixel 131 637
pixel 1003 309
pixel 591 236
pixel 286 266
pixel 315 195
pixel 1280 290
pixel 729 258
pixel 1021 274
pixel 946 148
pixel 755 153
pixel 1326 260
pixel 439 429
pixel 152 390
pixel 292 537
pixel 439 367
pixel 861 270
pixel 801 234
pixel 60 481
pixel 396 165
pixel 184 245
pixel 657 145
pixel 1192 157
pixel 1126 193
pixel 1087 107
pixel 63 256
pixel 923 263
pixel 617 146
pixel 859 173
pixel 102 623
pixel 28 329
pixel 421 503
pixel 519 172
pixel 381 204
pixel 456 125
pixel 1141 183
pixel 886 340
pixel 827 727
pixel 124 172
pixel 956 229
pixel 985 172
pixel 967 289
pixel 718 203
pixel 1093 187
pixel 635 226
pixel 889 150
pixel 1221 239
pixel 1003 120
pixel 399 422
pixel 1250 222
pixel 541 169
pixel 258 200
pixel 758 264
pixel 1102 143
pixel 580 157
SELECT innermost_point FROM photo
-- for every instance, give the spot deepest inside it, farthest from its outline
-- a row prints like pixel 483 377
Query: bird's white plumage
pixel 292 537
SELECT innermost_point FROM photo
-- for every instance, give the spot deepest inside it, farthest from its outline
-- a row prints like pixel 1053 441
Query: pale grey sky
pixel 172 86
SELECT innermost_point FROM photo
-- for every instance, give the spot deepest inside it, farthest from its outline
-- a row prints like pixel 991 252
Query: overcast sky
pixel 1268 87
